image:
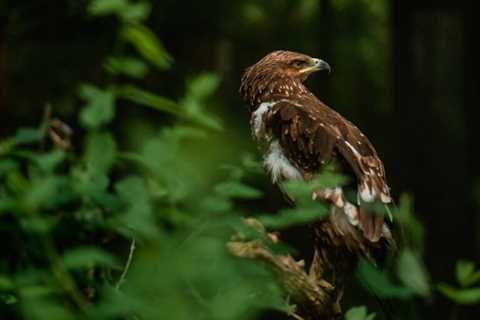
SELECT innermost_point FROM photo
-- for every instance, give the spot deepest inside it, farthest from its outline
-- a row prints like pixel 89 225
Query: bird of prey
pixel 300 135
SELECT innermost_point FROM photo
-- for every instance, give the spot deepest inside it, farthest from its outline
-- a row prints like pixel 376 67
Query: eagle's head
pixel 278 74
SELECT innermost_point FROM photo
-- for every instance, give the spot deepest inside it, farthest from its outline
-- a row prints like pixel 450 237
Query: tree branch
pixel 313 298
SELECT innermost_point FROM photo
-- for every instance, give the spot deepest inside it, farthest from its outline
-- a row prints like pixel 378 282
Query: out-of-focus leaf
pixel 148 99
pixel 37 224
pixel 213 204
pixel 138 215
pixel 88 184
pixel 253 13
pixel 147 44
pixel 412 273
pixel 328 178
pixel 136 12
pixel 99 109
pixel 49 161
pixel 100 152
pixel 359 313
pixel 46 192
pixel 308 9
pixel 83 257
pixel 380 283
pixel 106 7
pixel 132 190
pixel 468 296
pixel 6 283
pixel 128 66
pixel 124 9
pixel 7 165
pixel 412 228
pixel 28 135
pixel 466 273
pixel 302 191
pixel 298 216
pixel 198 90
pixel 90 179
pixel 6 145
pixel 17 182
pixel 234 189
pixel 202 86
pixel 8 298
pixel 44 308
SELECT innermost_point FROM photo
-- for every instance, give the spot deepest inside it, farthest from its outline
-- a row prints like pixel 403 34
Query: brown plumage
pixel 300 135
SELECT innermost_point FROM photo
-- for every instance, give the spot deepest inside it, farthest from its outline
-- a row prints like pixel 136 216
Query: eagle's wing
pixel 311 134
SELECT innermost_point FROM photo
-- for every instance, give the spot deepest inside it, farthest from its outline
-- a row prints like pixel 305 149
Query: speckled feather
pixel 311 135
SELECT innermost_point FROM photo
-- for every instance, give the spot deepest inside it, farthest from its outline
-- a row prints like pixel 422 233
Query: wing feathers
pixel 312 134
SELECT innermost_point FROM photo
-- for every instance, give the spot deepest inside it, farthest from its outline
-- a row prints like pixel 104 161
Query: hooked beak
pixel 318 65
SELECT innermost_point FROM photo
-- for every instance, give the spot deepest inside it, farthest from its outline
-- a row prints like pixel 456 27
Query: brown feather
pixel 311 135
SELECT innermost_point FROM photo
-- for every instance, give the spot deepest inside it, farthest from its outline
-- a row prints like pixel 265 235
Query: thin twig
pixel 127 265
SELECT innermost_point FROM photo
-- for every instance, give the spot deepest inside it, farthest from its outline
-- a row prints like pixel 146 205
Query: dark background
pixel 405 71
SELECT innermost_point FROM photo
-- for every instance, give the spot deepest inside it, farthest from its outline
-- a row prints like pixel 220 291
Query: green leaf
pixel 380 282
pixel 194 103
pixel 8 298
pixel 136 12
pixel 138 215
pixel 128 66
pixel 147 44
pixel 302 191
pixel 41 225
pixel 82 257
pixel 234 189
pixel 100 153
pixel 6 145
pixel 49 161
pixel 46 192
pixel 215 203
pixel 99 109
pixel 148 99
pixel 469 296
pixel 358 313
pixel 466 274
pixel 106 7
pixel 91 178
pixel 123 9
pixel 298 216
pixel 203 86
pixel 413 231
pixel 6 283
pixel 7 165
pixel 412 273
pixel 28 135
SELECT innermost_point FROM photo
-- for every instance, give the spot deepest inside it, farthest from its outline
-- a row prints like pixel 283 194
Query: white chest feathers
pixel 257 120
pixel 278 165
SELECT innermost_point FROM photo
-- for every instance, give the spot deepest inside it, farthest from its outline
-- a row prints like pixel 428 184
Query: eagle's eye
pixel 297 63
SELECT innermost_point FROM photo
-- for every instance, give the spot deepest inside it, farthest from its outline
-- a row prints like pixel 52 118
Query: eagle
pixel 300 135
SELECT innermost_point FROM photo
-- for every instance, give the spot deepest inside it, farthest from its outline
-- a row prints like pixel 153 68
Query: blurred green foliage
pixel 359 313
pixel 146 229
pixel 468 278
pixel 108 231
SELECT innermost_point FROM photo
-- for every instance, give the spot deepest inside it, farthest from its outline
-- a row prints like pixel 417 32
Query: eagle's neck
pixel 271 87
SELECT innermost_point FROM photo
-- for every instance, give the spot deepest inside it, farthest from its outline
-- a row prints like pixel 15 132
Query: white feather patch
pixel 278 165
pixel 258 125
